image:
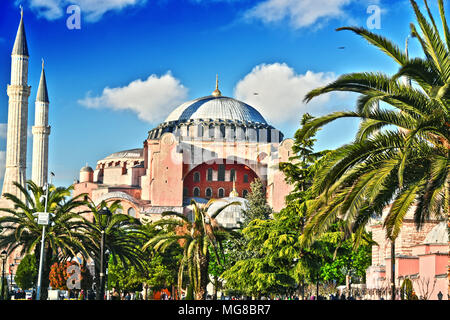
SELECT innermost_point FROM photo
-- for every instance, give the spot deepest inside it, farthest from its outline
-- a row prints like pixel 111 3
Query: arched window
pixel 244 193
pixel 221 193
pixel 196 192
pixel 196 176
pixel 185 192
pixel 132 212
pixel 208 193
pixel 245 178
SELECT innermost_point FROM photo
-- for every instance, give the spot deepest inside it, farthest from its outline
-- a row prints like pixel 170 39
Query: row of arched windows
pixel 208 193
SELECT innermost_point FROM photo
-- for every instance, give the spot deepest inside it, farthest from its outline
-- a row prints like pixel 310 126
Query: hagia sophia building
pixel 210 147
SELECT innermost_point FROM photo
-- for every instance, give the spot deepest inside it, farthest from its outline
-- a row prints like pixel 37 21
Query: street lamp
pixel 100 292
pixel 10 276
pixel 3 255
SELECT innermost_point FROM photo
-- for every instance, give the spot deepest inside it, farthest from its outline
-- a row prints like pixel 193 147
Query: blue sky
pixel 151 55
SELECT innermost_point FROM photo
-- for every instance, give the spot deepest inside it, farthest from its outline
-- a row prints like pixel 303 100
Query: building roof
pixel 216 107
pixel 128 154
pixel 20 44
pixel 42 93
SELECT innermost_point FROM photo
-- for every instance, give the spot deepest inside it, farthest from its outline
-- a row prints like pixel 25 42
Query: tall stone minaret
pixel 41 131
pixel 18 92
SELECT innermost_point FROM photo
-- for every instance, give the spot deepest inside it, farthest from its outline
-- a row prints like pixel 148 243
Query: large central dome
pixel 216 108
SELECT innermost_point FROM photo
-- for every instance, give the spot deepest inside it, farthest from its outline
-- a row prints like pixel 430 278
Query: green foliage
pixel 26 273
pixel 195 238
pixel 406 290
pixel 400 154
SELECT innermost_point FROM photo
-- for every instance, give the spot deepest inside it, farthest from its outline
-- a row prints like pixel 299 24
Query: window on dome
pixel 208 193
pixel 185 192
pixel 210 174
pixel 211 131
pixel 196 176
pixel 221 173
pixel 246 178
pixel 221 193
pixel 196 192
pixel 244 193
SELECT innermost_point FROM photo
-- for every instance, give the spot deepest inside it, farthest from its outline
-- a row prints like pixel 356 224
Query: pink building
pixel 421 255
pixel 210 147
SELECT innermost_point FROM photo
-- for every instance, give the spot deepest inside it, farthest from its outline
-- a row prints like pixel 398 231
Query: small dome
pixel 439 234
pixel 231 216
pixel 86 169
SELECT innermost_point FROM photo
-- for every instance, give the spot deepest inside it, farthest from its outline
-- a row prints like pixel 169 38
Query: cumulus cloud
pixel 91 10
pixel 151 99
pixel 300 14
pixel 277 91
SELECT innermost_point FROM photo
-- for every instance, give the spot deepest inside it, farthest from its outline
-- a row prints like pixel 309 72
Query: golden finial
pixel 233 192
pixel 42 63
pixel 21 11
pixel 217 93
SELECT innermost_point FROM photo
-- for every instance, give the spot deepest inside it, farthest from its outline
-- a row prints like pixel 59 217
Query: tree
pixel 26 273
pixel 59 275
pixel 400 155
pixel 123 237
pixel 195 238
pixel 64 237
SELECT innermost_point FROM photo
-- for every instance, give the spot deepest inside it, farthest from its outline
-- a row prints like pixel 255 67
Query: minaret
pixel 41 131
pixel 18 92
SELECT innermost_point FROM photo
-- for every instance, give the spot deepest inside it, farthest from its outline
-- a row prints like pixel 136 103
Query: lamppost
pixel 3 255
pixel 101 291
pixel 10 276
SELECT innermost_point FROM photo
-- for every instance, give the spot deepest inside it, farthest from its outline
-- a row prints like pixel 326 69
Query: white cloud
pixel 91 10
pixel 299 13
pixel 151 99
pixel 277 91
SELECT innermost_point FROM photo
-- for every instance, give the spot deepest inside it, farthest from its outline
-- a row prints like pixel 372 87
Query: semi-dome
pixel 216 107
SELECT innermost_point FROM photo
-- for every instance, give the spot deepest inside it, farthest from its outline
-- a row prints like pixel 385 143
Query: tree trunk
pixel 216 284
pixel 200 292
pixel 392 269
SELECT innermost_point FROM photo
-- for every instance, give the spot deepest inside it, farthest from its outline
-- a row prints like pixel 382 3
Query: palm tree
pixel 122 237
pixel 400 155
pixel 63 239
pixel 195 237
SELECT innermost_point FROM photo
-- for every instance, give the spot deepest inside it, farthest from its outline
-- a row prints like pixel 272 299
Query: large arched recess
pixel 243 174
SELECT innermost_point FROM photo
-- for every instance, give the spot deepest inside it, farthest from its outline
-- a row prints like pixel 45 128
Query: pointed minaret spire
pixel 41 131
pixel 217 93
pixel 42 93
pixel 20 44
